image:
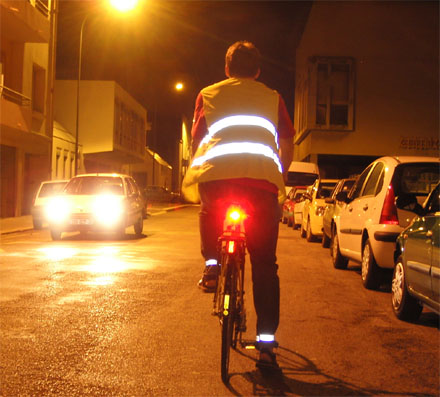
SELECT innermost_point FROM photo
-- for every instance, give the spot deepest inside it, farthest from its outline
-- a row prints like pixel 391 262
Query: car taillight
pixel 389 210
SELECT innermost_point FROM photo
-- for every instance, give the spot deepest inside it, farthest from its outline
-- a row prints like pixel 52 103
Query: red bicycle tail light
pixel 231 247
pixel 389 210
pixel 235 214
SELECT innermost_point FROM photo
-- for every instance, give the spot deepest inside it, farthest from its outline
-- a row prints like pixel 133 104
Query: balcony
pixel 25 21
pixel 15 113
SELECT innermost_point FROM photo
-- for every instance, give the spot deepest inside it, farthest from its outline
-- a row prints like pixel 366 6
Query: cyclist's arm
pixel 199 127
pixel 285 137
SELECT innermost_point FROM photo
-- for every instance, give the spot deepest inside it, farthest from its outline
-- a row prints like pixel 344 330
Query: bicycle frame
pixel 229 294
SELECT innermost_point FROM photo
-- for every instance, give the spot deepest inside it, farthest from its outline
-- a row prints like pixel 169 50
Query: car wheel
pixel 325 241
pixel 309 235
pixel 339 261
pixel 369 269
pixel 303 231
pixel 139 226
pixel 405 306
pixel 37 223
pixel 55 234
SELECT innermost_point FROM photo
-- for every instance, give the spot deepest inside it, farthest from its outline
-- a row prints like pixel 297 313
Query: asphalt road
pixel 102 317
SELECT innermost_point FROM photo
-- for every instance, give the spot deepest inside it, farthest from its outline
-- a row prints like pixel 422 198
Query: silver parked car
pixel 46 190
pixel 368 225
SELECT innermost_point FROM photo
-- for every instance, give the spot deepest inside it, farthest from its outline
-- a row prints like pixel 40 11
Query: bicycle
pixel 229 294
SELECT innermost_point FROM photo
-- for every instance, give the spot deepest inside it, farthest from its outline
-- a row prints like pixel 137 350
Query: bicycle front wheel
pixel 228 321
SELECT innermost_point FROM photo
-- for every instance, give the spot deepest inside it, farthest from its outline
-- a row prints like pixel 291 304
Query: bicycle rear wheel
pixel 228 319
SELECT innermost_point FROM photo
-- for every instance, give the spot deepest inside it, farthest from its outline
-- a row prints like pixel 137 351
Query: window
pixel 326 95
pixel 370 186
pixel 360 182
pixel 38 88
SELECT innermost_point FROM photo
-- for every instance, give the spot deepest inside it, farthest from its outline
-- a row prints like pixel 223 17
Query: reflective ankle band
pixel 265 338
pixel 211 262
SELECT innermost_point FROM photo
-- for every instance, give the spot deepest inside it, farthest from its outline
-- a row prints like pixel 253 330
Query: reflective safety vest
pixel 242 140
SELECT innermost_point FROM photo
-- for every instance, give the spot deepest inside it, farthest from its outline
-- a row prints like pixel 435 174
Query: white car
pixel 367 227
pixel 96 202
pixel 298 209
pixel 46 190
pixel 314 207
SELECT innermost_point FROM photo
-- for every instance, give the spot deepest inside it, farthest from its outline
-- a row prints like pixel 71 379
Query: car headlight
pixel 57 210
pixel 108 209
pixel 320 211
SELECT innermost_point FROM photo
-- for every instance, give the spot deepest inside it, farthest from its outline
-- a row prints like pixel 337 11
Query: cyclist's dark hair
pixel 243 59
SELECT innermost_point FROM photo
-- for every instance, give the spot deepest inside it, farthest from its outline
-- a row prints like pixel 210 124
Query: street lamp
pixel 179 86
pixel 122 6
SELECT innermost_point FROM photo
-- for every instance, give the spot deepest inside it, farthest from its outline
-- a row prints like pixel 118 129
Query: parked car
pixel 293 197
pixel 332 209
pixel 156 193
pixel 416 277
pixel 96 202
pixel 298 209
pixel 367 227
pixel 301 173
pixel 314 206
pixel 46 190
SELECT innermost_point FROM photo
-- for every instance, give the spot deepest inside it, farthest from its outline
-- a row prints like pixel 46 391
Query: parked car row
pixel 108 202
pixel 386 219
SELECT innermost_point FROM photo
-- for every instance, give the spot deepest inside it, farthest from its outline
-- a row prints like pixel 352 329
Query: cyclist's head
pixel 242 60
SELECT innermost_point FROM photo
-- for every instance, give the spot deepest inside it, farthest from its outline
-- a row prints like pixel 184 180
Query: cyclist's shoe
pixel 267 363
pixel 208 282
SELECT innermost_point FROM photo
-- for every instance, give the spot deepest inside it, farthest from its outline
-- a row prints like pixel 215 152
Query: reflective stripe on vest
pixel 238 148
pixel 240 120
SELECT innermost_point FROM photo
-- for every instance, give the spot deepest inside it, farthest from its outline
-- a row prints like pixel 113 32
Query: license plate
pixel 80 221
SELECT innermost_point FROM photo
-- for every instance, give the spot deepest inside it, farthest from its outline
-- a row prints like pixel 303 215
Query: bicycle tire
pixel 228 319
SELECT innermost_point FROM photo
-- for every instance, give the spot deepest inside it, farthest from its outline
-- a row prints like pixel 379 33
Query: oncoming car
pixel 96 202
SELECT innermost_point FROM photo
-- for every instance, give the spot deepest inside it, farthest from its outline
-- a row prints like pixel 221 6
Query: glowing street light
pixel 123 5
pixel 179 86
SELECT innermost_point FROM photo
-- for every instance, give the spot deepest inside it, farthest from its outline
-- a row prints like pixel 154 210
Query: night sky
pixel 165 41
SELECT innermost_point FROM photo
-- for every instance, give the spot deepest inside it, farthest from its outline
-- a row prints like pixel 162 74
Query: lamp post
pixel 122 6
pixel 77 91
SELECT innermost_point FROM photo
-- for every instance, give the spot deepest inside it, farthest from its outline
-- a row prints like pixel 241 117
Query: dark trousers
pixel 261 227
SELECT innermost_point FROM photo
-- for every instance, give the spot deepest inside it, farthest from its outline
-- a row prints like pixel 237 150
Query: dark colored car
pixel 416 277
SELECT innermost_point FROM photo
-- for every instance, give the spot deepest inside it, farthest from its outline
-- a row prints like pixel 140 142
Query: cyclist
pixel 242 142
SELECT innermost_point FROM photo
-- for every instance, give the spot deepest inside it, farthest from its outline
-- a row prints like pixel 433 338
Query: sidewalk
pixel 21 223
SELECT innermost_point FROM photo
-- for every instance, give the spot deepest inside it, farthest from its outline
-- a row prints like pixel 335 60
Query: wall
pixel 395 47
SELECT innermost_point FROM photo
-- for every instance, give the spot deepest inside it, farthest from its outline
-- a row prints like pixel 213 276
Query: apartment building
pixel 367 84
pixel 26 70
pixel 112 128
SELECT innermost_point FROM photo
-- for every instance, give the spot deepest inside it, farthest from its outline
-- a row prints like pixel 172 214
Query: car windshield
pixel 89 185
pixel 49 189
pixel 298 196
pixel 325 189
pixel 416 178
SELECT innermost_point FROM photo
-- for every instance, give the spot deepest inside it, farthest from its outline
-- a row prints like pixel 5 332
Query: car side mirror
pixel 343 196
pixel 408 202
pixel 329 200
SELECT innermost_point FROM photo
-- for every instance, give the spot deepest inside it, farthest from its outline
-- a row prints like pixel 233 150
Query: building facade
pixel 26 70
pixel 111 132
pixel 367 84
